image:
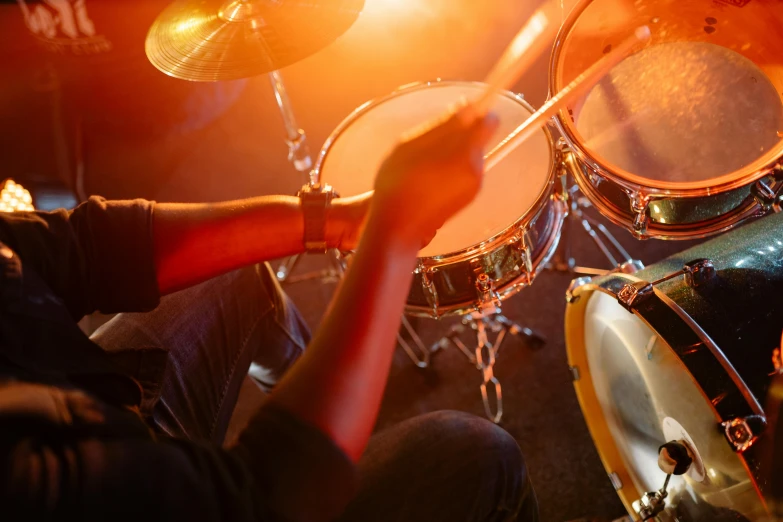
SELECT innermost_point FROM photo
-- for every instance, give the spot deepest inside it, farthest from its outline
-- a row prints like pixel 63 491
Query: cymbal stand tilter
pixel 612 250
pixel 299 156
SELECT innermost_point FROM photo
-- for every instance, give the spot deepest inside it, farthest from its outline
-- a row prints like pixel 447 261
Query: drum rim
pixel 585 389
pixel 667 231
pixel 723 183
pixel 490 244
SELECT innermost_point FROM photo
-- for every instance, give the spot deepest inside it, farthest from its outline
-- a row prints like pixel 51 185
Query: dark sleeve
pixel 99 256
pixel 287 473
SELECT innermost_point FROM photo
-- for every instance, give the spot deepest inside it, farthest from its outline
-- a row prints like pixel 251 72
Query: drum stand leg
pixel 416 350
pixel 299 156
pixel 604 240
pixel 484 355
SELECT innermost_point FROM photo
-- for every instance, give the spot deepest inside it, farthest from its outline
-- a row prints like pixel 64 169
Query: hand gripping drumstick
pixel 583 83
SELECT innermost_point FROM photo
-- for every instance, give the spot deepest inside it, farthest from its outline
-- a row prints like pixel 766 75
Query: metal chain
pixel 487 371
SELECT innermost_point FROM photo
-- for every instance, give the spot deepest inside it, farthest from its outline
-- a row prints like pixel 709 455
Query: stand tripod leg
pixel 600 235
pixel 422 360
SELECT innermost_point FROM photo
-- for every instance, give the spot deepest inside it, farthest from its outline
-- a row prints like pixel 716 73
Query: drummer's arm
pixel 338 384
pixel 194 242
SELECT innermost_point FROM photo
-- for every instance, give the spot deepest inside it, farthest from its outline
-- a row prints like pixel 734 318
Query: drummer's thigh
pixel 443 466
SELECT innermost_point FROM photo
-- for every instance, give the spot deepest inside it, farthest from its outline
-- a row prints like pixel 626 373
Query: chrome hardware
pixel 298 151
pixel 696 272
pixel 488 372
pixel 428 286
pixel 652 503
pixel 767 195
pixel 630 267
pixel 742 432
pixel 612 250
pixel 576 283
pixel 422 360
pixel 484 354
pixel 524 245
pixel 488 298
pixel 641 218
pixel 632 295
pixel 574 373
pixel 617 484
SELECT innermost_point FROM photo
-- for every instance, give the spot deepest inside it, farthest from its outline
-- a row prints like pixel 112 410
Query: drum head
pixel 352 157
pixel 647 397
pixel 697 107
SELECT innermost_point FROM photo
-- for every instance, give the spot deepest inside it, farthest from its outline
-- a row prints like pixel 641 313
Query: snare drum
pixel 671 354
pixel 498 243
pixel 683 138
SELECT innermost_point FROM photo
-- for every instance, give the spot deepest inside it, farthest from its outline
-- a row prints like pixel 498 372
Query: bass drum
pixel 683 350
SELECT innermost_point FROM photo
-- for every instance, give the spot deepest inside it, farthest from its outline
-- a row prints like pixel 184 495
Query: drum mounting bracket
pixel 697 273
pixel 743 432
pixel 767 195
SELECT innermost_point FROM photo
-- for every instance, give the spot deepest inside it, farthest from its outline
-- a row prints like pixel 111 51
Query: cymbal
pixel 213 40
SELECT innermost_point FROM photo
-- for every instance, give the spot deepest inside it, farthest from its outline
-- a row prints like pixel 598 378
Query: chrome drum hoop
pixel 445 284
pixel 684 213
pixel 668 217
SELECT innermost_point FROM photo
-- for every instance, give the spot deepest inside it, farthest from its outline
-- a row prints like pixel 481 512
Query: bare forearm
pixel 194 242
pixel 339 383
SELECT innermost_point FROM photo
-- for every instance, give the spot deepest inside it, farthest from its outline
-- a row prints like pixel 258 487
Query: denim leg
pixel 443 466
pixel 212 332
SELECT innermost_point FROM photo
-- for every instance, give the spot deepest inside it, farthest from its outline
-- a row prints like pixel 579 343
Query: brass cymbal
pixel 212 40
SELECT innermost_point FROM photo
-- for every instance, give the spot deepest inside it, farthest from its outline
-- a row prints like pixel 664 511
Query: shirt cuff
pixel 116 237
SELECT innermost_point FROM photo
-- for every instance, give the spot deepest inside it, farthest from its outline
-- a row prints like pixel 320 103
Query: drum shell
pixel 739 312
pixel 669 216
pixel 502 259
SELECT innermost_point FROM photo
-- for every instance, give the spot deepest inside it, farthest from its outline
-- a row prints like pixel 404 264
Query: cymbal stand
pixel 484 355
pixel 577 219
pixel 299 156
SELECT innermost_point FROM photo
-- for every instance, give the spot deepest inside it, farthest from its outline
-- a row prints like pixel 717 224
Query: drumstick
pixel 583 83
pixel 523 50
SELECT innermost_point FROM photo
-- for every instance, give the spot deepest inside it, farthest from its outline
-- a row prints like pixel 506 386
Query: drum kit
pixel 682 140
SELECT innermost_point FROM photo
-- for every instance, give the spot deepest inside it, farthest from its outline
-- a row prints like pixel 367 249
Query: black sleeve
pixel 100 256
pixel 283 471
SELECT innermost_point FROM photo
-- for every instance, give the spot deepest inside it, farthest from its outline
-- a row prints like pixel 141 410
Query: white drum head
pixel 647 396
pixel 682 112
pixel 509 190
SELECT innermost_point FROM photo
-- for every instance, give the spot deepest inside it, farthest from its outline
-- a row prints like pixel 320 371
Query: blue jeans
pixel 446 466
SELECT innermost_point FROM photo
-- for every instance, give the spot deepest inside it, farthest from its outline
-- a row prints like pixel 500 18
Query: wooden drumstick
pixel 523 50
pixel 581 85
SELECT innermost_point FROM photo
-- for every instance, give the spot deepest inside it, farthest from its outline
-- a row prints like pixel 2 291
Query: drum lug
pixel 489 300
pixel 576 283
pixel 698 272
pixel 632 295
pixel 523 243
pixel 743 432
pixel 428 286
pixel 769 193
pixel 640 209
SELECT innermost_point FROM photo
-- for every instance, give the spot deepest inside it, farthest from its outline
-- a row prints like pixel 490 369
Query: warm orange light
pixel 14 197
